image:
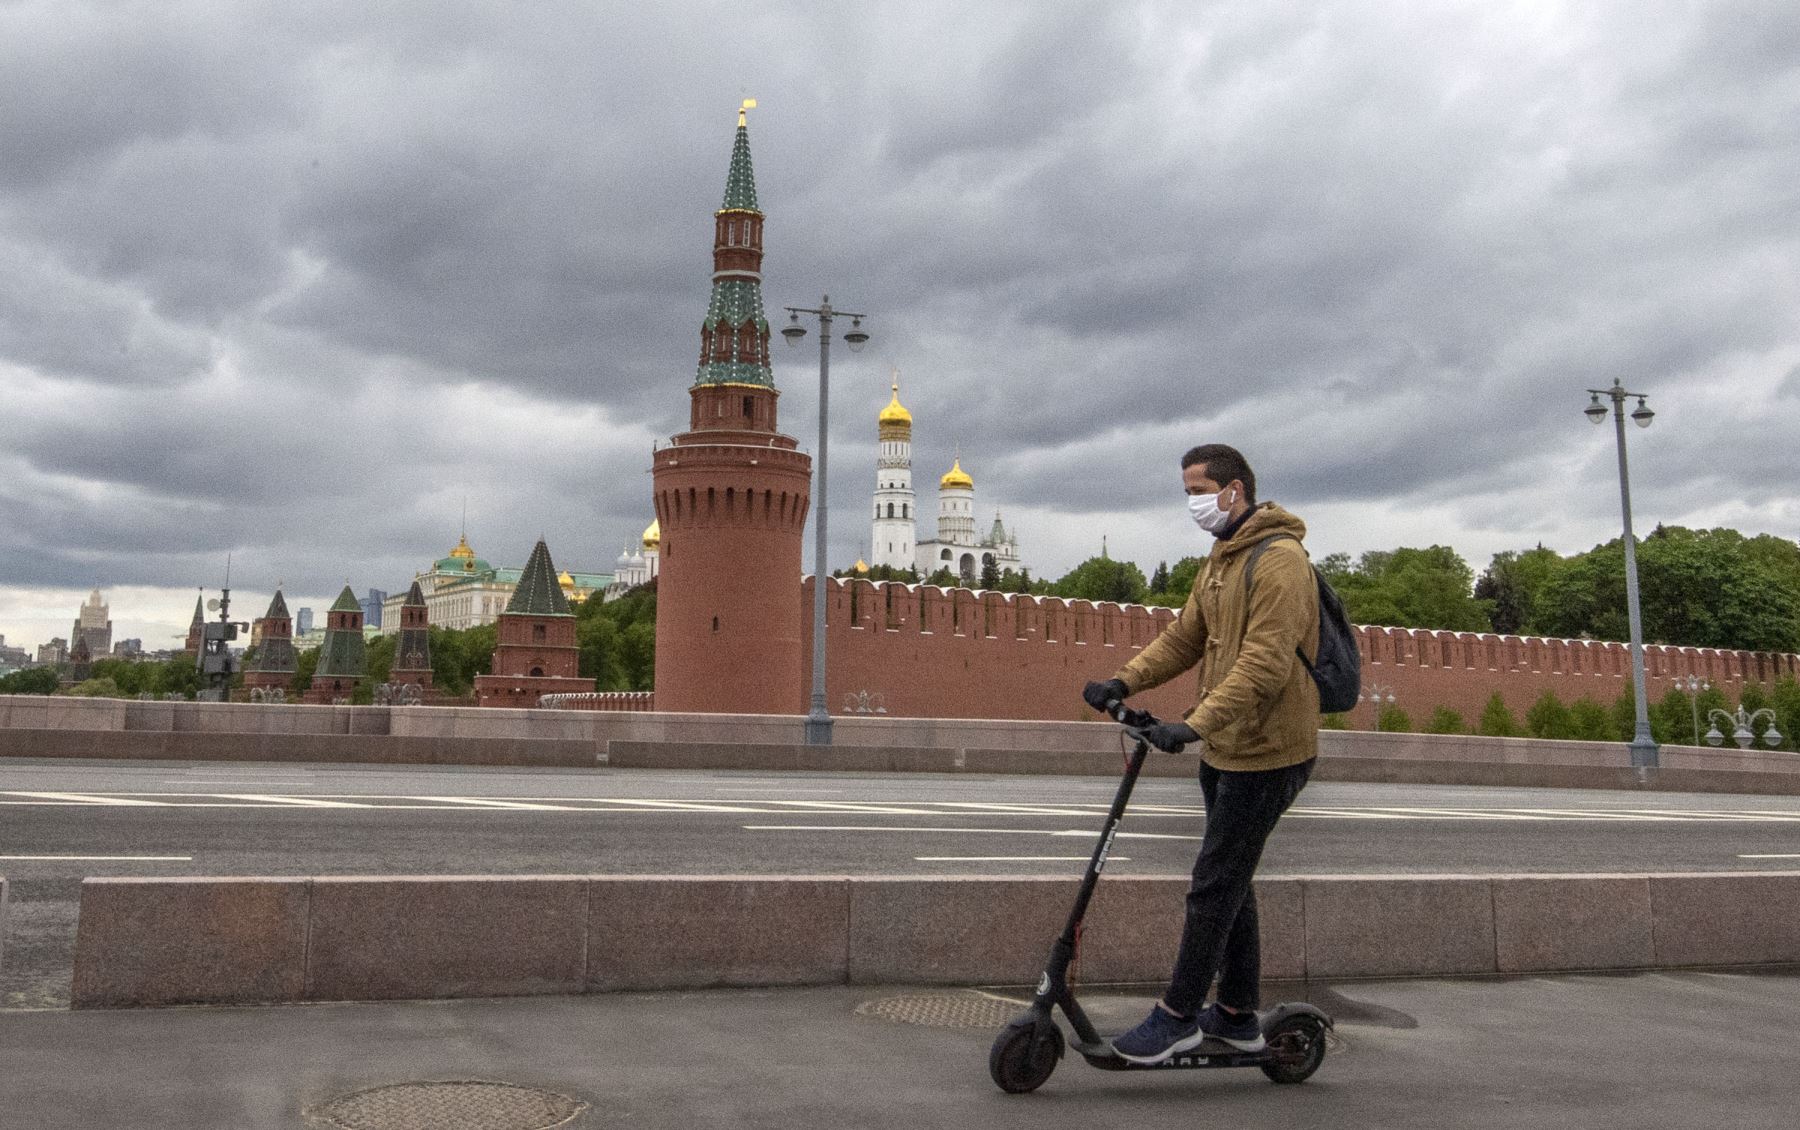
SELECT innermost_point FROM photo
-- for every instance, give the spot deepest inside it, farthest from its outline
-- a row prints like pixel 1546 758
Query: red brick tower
pixel 731 498
pixel 197 628
pixel 537 654
pixel 273 666
pixel 343 657
pixel 412 651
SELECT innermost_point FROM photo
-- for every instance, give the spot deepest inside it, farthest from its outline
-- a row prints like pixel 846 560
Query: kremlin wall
pixel 734 628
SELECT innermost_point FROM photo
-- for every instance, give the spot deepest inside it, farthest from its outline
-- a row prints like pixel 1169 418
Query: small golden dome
pixel 861 566
pixel 653 534
pixel 565 580
pixel 462 550
pixel 895 412
pixel 956 477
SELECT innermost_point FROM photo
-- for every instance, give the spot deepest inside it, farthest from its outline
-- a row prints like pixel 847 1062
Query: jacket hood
pixel 1265 522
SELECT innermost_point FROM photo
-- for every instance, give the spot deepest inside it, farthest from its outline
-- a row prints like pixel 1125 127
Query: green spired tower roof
pixel 740 182
pixel 346 602
pixel 343 654
pixel 538 592
pixel 277 608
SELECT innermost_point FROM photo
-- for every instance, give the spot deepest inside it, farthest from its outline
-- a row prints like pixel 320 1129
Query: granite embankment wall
pixel 45 727
pixel 274 940
pixel 922 651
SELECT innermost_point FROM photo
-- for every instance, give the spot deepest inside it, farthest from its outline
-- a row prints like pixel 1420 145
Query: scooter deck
pixel 1212 1053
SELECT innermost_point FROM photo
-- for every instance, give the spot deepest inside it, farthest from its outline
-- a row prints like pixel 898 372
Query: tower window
pixel 749 407
pixel 715 623
pixel 537 631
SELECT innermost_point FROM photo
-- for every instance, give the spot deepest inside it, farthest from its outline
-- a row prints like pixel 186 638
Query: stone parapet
pixel 216 941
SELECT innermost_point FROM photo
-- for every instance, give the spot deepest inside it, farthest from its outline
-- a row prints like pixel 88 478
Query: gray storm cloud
pixel 294 282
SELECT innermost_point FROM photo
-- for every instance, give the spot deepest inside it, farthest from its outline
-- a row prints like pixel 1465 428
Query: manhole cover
pixel 943 1010
pixel 442 1105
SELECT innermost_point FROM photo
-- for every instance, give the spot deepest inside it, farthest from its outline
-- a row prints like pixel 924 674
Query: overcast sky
pixel 293 281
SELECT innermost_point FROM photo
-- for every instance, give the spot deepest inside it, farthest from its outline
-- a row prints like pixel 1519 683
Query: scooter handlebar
pixel 1135 721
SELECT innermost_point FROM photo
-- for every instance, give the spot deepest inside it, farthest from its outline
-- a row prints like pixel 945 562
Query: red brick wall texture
pixel 924 652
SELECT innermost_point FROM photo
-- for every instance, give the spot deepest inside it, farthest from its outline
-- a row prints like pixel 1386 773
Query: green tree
pixel 1698 588
pixel 306 661
pixel 1511 585
pixel 1624 717
pixel 1334 721
pixel 944 579
pixel 1590 722
pixel 1549 718
pixel 1159 578
pixel 1784 699
pixel 990 575
pixel 1496 720
pixel 1446 721
pixel 31 680
pixel 1102 578
pixel 96 688
pixel 1752 699
pixel 617 639
pixel 1395 720
pixel 1409 588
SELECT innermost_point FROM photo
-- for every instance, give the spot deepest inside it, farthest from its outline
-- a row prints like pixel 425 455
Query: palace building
pixel 462 590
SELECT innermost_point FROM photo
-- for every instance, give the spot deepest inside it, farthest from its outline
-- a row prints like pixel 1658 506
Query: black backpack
pixel 1338 672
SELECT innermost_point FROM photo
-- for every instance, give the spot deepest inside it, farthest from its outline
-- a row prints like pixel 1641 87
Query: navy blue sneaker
pixel 1240 1030
pixel 1161 1035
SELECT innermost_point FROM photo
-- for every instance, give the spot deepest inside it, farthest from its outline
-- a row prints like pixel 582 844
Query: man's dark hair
pixel 1223 464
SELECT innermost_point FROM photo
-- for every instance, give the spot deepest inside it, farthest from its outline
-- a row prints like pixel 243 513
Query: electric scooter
pixel 1027 1050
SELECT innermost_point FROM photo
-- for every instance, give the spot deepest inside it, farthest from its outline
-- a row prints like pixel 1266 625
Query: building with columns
pixel 462 590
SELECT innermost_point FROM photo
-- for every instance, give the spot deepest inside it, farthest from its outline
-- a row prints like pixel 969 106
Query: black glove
pixel 1170 736
pixel 1098 695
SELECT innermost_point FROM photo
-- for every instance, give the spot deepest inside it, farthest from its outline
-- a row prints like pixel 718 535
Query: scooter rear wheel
pixel 1024 1054
pixel 1296 1049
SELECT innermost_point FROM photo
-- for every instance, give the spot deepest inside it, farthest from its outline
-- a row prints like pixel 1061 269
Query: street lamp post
pixel 1693 685
pixel 818 718
pixel 1741 723
pixel 1643 745
pixel 1377 694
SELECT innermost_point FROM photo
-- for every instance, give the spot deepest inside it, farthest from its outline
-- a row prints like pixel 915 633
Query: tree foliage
pixel 1103 578
pixel 1697 588
pixel 618 641
pixel 1497 720
pixel 31 680
pixel 1409 588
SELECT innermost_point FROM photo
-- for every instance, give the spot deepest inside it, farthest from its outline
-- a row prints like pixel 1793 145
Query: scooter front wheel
pixel 1024 1054
pixel 1296 1049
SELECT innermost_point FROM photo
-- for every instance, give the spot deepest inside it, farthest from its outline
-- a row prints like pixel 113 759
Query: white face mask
pixel 1205 510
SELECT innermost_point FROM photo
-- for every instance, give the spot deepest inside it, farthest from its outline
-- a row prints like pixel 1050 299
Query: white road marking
pixel 1014 859
pixel 105 858
pixel 85 798
pixel 1084 833
pixel 1770 855
pixel 297 801
pixel 484 802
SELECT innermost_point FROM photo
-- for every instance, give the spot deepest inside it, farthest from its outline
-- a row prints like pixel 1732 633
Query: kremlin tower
pixel 891 542
pixel 732 494
pixel 536 654
pixel 412 651
pixel 272 667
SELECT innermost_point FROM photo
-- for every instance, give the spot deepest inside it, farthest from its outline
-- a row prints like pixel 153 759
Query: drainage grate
pixel 436 1105
pixel 943 1010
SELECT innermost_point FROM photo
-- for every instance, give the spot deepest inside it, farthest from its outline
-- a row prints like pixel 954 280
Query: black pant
pixel 1220 935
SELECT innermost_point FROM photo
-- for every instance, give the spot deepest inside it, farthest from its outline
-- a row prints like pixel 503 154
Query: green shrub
pixel 1446 721
pixel 1496 720
pixel 1395 720
pixel 1549 718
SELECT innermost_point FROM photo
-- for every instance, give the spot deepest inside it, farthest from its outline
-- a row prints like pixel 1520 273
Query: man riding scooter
pixel 1250 627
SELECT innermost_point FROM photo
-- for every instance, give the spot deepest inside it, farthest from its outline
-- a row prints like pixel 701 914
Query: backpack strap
pixel 1256 552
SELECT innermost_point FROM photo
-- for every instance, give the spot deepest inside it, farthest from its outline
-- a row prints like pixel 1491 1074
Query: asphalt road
pixel 61 821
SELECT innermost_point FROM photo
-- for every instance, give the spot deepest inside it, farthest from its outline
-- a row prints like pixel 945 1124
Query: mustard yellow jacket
pixel 1258 707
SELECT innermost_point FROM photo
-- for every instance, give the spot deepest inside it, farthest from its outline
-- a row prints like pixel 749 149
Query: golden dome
pixel 462 550
pixel 565 580
pixel 895 412
pixel 653 534
pixel 956 477
pixel 861 566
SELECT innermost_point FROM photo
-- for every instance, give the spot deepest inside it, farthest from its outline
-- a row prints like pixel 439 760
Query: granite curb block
pixel 249 940
pixel 182 941
pixel 3 893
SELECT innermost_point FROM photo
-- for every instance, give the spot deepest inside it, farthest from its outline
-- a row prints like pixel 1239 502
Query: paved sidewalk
pixel 1650 1050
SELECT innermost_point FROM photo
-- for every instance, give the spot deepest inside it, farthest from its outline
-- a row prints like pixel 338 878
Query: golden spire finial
pixel 749 104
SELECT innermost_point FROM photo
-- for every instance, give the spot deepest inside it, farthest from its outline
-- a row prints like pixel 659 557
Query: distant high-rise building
pixel 92 624
pixel 371 608
pixel 53 654
pixel 128 649
pixel 303 621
